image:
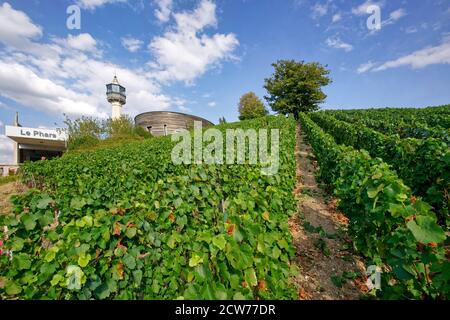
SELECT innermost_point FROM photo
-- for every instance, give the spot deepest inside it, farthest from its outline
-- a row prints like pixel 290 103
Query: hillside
pixel 125 222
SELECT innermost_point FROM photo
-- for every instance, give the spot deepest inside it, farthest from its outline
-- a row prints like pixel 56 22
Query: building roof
pixel 115 80
pixel 172 112
pixel 37 136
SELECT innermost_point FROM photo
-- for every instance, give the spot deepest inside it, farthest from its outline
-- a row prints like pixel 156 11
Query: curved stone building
pixel 163 123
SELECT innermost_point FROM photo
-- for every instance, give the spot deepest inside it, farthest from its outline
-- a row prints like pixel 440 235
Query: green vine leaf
pixel 195 260
pixel 44 202
pixel 219 241
pixel 250 277
pixel 83 260
pixel 426 230
pixel 73 277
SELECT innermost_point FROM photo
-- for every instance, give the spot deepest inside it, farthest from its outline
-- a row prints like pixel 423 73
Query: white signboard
pixel 35 133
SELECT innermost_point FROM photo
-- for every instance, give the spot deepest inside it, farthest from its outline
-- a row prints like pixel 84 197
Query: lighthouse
pixel 116 95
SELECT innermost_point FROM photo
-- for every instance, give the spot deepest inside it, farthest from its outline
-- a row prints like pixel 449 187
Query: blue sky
pixel 200 56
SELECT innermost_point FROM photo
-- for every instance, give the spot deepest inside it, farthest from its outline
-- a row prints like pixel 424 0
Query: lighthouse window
pixel 165 129
pixel 149 128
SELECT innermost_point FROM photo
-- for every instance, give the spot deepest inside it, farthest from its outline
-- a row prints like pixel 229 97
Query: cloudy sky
pixel 200 56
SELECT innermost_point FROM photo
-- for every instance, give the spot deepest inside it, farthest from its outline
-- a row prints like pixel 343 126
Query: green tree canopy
pixel 296 86
pixel 250 107
pixel 88 132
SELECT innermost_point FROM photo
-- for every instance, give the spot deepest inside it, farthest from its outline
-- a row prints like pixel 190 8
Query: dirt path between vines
pixel 6 191
pixel 328 270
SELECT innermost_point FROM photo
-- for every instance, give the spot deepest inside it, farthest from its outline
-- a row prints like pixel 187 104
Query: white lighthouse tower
pixel 116 95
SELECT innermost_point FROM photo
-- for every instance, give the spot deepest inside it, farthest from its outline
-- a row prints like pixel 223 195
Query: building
pixel 163 123
pixel 32 144
pixel 116 95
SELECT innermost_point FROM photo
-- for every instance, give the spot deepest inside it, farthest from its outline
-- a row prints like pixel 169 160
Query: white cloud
pixel 81 42
pixel 69 76
pixel 298 3
pixel 184 109
pixel 212 104
pixel 337 43
pixel 419 59
pixel 336 17
pixel 132 44
pixel 365 67
pixel 91 75
pixel 203 16
pixel 164 10
pixel 93 4
pixel 4 106
pixel 6 150
pixel 394 16
pixel 184 53
pixel 16 27
pixel 422 58
pixel 20 36
pixel 411 29
pixel 19 83
pixel 397 14
pixel 361 10
pixel 319 10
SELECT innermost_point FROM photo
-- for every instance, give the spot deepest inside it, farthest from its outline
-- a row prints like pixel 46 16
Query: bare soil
pixel 328 269
pixel 6 191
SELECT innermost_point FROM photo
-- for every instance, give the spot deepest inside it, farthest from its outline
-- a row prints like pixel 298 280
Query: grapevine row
pixel 424 164
pixel 429 117
pixel 388 225
pixel 393 125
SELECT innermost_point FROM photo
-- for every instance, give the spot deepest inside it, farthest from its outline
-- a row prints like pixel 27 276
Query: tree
pixel 122 126
pixel 250 107
pixel 296 86
pixel 86 131
pixel 222 120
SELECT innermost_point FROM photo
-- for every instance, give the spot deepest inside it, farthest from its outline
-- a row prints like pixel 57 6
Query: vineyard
pixel 126 223
pixel 391 224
